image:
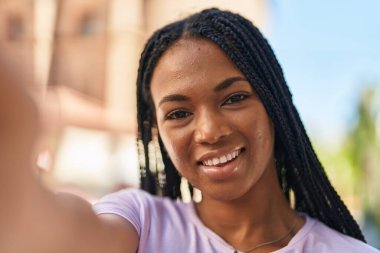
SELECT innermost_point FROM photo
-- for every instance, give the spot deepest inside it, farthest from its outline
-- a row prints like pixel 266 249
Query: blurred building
pixel 18 28
pixel 80 60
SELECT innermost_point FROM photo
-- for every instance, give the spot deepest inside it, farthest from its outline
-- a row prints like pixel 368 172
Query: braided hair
pixel 298 168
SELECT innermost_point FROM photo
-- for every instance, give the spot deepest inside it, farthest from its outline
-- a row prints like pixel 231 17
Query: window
pixel 15 28
pixel 89 25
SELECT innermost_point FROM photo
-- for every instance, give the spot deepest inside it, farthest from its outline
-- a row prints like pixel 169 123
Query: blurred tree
pixel 363 152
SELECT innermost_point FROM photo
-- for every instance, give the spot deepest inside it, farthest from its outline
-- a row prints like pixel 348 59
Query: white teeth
pixel 222 159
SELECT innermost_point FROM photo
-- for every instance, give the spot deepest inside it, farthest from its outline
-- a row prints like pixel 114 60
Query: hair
pixel 298 167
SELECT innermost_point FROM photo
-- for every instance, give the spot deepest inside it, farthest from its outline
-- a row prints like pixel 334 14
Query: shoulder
pixel 129 204
pixel 126 201
pixel 317 237
pixel 156 220
pixel 123 197
pixel 140 208
pixel 132 198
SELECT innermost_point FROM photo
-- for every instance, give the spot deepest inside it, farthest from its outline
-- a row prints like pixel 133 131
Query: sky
pixel 328 51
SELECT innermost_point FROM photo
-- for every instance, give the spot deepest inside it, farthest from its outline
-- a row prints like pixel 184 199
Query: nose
pixel 211 127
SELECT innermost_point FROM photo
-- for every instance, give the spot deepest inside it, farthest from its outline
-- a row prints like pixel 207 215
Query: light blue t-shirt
pixel 166 226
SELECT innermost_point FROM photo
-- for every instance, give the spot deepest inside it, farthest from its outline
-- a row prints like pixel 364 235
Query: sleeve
pixel 128 204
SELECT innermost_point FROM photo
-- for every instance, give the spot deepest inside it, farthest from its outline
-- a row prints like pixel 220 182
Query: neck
pixel 260 215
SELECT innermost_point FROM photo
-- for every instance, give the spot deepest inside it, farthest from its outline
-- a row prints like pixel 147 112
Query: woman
pixel 214 108
pixel 212 88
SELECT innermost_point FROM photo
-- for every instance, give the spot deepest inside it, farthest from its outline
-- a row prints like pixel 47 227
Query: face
pixel 213 125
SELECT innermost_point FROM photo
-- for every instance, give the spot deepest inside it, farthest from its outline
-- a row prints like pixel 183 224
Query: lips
pixel 216 161
pixel 221 167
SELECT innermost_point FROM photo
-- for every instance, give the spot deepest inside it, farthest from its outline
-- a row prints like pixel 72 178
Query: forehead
pixel 191 52
pixel 189 62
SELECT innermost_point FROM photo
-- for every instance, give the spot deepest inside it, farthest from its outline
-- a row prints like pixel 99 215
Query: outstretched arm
pixel 33 219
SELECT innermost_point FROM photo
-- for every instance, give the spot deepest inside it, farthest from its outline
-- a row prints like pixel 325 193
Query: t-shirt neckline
pixel 226 246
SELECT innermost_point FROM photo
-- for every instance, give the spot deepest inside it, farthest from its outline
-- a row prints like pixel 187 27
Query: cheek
pixel 175 146
pixel 260 133
pixel 264 141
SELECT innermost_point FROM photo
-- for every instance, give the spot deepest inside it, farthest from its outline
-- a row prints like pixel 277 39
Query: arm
pixel 33 219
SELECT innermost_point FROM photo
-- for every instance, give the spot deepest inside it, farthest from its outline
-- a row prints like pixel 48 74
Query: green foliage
pixel 353 168
pixel 363 150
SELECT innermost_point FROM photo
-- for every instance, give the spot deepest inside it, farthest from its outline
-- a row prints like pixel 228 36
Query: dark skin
pixel 214 116
pixel 206 111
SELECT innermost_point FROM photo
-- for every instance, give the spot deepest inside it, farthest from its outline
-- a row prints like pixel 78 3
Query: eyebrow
pixel 173 98
pixel 228 82
pixel 221 86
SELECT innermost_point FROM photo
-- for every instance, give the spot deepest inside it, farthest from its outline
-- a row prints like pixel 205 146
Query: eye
pixel 176 115
pixel 235 98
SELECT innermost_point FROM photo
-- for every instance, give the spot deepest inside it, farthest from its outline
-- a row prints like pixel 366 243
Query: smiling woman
pixel 214 105
pixel 213 115
pixel 212 87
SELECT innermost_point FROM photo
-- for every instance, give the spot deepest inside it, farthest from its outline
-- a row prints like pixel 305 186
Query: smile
pixel 216 161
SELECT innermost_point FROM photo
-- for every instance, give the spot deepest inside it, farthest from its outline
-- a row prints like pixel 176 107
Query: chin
pixel 224 193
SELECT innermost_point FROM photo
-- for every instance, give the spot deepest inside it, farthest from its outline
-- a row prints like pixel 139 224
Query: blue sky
pixel 328 51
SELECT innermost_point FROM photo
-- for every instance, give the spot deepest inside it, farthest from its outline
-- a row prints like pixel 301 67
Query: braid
pixel 298 167
pixel 159 42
